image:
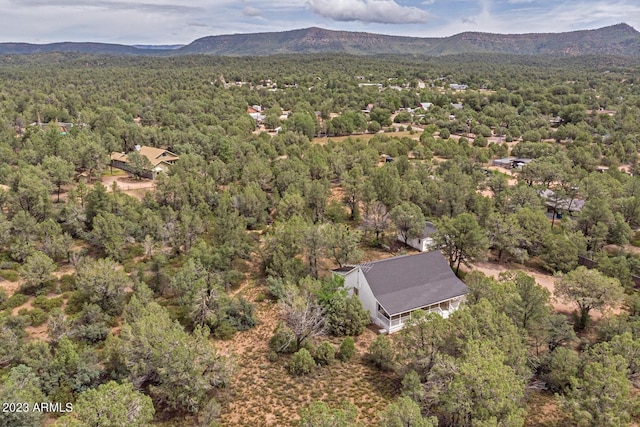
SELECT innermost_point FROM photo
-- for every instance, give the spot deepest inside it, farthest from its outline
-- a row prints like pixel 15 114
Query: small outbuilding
pixel 424 242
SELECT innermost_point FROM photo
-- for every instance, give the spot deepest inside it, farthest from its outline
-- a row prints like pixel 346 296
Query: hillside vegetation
pixel 618 39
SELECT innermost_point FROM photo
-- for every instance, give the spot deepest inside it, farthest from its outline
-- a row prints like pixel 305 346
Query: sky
pixel 161 22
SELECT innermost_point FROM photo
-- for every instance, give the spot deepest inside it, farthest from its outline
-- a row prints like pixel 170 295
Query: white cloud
pixel 251 11
pixel 380 11
pixel 115 5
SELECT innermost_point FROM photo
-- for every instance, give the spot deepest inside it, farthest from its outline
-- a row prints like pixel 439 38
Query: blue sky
pixel 182 21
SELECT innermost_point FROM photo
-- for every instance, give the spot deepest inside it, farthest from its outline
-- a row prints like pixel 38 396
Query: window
pixel 355 291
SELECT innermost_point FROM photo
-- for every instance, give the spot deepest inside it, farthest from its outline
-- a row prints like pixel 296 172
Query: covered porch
pixel 393 323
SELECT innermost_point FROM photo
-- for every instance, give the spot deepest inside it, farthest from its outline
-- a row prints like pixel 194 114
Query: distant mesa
pixel 619 40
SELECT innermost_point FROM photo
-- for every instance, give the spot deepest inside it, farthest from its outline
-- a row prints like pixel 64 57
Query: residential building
pixel 393 288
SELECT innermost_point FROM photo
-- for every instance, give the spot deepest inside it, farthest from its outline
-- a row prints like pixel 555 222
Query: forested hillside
pixel 205 296
pixel 620 39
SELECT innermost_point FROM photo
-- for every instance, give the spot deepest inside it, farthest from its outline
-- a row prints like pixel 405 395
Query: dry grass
pixel 543 410
pixel 264 394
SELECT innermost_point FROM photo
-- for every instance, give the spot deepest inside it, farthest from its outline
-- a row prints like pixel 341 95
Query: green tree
pixel 341 243
pixel 409 220
pixel 114 405
pixel 589 290
pixel 352 186
pixel 530 307
pixel 110 233
pixel 21 385
pixel 506 237
pixel 559 368
pixel 412 386
pixel 319 414
pixel 534 226
pixel 104 283
pixel 381 353
pixel 461 238
pixel 560 252
pixel 181 371
pixel 421 340
pixel 601 396
pixel 302 122
pixel 138 163
pixel 59 170
pixel 482 389
pixel 345 315
pixel 324 354
pixel 36 271
pixel 404 412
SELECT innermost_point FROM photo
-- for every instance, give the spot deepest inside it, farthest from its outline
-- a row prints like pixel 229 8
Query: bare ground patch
pixel 133 187
pixel 10 288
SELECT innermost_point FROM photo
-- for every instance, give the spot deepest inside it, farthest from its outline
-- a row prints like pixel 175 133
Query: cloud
pixel 379 11
pixel 428 2
pixel 251 11
pixel 114 5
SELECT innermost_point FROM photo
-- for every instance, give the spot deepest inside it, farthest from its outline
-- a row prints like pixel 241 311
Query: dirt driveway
pixel 131 186
pixel 493 269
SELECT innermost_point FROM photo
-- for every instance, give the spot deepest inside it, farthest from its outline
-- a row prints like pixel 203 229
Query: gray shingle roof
pixel 429 229
pixel 409 282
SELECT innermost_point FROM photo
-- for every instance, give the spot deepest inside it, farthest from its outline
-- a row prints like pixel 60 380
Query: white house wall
pixel 355 279
pixel 423 244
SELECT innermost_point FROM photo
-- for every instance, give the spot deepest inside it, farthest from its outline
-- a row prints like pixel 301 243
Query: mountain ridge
pixel 620 39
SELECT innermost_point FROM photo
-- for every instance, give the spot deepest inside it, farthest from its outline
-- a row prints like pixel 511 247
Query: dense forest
pixel 206 297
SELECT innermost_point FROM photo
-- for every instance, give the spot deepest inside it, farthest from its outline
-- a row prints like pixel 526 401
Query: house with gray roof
pixel 391 289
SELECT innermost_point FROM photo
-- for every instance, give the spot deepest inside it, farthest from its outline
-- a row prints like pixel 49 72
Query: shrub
pixel 16 300
pixel 302 363
pixel 336 212
pixel 224 330
pixel 283 339
pixel 325 354
pixel 9 275
pixel 37 317
pixel 347 349
pixel 346 316
pixel 3 297
pixel 67 282
pixel 47 304
pixel 241 314
pixel 74 303
pixel 92 324
pixel 381 353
